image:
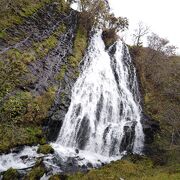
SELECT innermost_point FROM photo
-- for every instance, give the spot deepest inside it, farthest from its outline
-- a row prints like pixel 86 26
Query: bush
pixel 109 37
pixel 45 149
pixel 11 174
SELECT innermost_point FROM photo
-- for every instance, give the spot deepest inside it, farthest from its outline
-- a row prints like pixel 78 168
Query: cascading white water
pixel 104 114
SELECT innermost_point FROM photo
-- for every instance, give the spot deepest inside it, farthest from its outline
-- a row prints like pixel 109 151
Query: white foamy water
pixel 104 114
pixel 24 159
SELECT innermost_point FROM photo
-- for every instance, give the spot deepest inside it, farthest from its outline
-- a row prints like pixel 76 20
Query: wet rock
pixel 24 157
pixel 37 171
pixel 128 138
pixel 150 127
pixel 89 165
pixel 11 174
pixel 17 149
pixel 77 151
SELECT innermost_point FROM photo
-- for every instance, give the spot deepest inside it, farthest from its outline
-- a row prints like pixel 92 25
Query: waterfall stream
pixel 104 114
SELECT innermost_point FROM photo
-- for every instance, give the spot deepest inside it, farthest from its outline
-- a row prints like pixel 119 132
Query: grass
pixel 14 11
pixel 21 117
pixel 15 135
pixel 11 174
pixel 80 44
pixel 24 107
pixel 36 172
pixel 45 149
pixel 22 113
pixel 42 48
pixel 140 170
pixel 13 66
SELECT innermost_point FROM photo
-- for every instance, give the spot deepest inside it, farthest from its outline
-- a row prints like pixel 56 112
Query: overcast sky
pixel 162 16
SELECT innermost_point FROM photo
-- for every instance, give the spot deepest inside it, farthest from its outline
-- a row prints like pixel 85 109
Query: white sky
pixel 162 16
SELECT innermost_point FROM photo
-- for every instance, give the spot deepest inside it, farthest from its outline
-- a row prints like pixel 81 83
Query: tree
pixel 161 45
pixel 117 23
pixel 139 33
pixel 97 13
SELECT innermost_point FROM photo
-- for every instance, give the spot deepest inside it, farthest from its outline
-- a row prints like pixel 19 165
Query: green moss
pixel 80 44
pixel 17 11
pixel 37 109
pixel 55 177
pixel 62 72
pixel 60 30
pixel 37 171
pixel 23 107
pixel 45 149
pixel 13 66
pixel 2 34
pixel 11 174
pixel 21 116
pixel 59 177
pixel 62 6
pixel 141 170
pixel 15 135
pixel 15 107
pixel 32 8
pixel 42 48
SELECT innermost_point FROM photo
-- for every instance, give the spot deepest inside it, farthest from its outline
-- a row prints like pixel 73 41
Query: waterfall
pixel 104 116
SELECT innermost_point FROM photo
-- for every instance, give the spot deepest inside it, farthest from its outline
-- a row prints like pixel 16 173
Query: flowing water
pixel 104 118
pixel 104 114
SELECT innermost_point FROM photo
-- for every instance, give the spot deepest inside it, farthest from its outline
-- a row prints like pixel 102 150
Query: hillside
pixel 39 55
pixel 159 80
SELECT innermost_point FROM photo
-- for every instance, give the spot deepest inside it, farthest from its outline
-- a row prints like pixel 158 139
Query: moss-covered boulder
pixel 59 177
pixel 55 177
pixel 37 171
pixel 11 174
pixel 45 149
pixel 109 37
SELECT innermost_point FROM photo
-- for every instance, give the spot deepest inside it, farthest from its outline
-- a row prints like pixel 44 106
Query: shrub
pixel 109 36
pixel 45 149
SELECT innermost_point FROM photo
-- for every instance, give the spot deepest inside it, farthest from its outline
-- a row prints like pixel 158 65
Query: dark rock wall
pixel 39 96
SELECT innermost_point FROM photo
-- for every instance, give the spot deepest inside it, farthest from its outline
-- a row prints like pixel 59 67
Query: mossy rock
pixel 18 11
pixel 37 171
pixel 80 44
pixel 55 177
pixel 14 135
pixel 59 177
pixel 109 37
pixel 42 48
pixel 11 174
pixel 45 149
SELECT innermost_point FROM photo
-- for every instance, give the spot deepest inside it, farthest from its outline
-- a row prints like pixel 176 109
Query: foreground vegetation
pixel 22 111
pixel 142 169
pixel 160 85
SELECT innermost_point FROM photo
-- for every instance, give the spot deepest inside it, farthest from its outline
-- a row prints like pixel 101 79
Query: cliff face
pixel 39 58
